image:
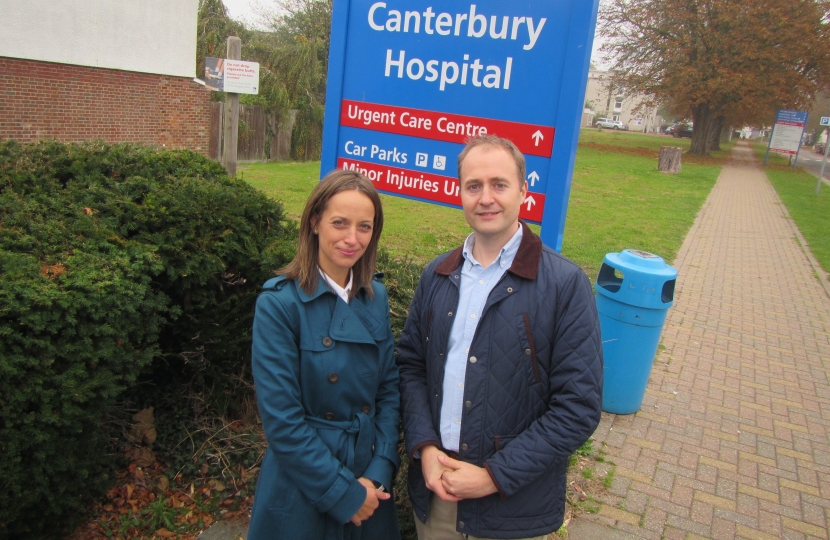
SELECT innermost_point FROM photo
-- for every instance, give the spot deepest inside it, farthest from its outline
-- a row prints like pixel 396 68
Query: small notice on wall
pixel 235 76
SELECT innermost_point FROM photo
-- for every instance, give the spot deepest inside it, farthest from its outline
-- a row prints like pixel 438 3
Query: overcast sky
pixel 240 9
pixel 237 8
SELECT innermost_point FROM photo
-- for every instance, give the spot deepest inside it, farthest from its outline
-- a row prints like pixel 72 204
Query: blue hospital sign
pixel 411 81
pixel 787 132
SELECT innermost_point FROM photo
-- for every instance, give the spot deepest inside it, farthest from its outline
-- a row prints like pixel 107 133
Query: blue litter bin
pixel 635 289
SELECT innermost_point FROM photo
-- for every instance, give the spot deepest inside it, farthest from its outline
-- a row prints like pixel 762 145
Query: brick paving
pixel 732 438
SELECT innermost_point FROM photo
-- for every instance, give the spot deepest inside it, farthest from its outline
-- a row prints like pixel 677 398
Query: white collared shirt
pixel 338 290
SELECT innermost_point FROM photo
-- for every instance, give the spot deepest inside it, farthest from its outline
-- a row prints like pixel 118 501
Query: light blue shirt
pixel 476 284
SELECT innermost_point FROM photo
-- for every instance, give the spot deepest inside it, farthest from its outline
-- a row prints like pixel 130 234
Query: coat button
pixel 464 446
pixel 473 359
pixel 510 289
pixel 329 416
pixel 326 341
pixel 527 352
pixel 468 404
pixel 460 524
pixel 366 409
pixel 449 314
pixel 333 378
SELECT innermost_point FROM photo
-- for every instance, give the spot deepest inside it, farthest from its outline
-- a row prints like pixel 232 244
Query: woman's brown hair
pixel 305 263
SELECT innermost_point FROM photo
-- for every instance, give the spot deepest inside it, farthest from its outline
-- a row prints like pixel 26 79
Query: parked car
pixel 680 130
pixel 610 124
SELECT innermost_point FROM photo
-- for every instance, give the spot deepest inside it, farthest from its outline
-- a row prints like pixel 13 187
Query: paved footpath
pixel 732 438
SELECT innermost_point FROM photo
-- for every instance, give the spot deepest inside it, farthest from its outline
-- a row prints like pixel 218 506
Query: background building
pixel 602 99
pixel 78 70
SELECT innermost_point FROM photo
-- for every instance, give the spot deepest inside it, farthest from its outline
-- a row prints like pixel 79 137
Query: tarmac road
pixel 811 161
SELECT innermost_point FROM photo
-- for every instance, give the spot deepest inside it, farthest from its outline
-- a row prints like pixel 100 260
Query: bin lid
pixel 647 281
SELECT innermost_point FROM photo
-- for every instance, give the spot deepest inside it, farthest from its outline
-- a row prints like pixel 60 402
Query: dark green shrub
pixel 401 280
pixel 113 260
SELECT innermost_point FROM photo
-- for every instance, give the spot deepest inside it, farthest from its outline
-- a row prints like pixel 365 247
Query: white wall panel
pixel 149 36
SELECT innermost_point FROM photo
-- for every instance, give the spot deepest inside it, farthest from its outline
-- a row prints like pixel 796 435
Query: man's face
pixel 491 193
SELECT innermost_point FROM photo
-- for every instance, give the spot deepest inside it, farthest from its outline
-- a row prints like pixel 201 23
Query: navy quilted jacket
pixel 532 392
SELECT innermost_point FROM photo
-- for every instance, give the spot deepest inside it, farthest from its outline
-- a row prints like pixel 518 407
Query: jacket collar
pixel 525 264
pixel 322 288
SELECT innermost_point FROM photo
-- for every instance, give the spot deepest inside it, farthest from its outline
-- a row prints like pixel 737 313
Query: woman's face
pixel 344 231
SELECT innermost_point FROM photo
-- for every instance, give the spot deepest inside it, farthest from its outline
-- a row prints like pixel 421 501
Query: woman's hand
pixel 373 498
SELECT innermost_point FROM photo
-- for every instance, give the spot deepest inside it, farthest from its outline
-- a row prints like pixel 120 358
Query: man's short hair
pixel 495 141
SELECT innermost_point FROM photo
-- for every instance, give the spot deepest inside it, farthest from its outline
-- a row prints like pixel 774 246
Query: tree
pixel 213 28
pixel 719 61
pixel 292 50
pixel 295 53
pixel 819 108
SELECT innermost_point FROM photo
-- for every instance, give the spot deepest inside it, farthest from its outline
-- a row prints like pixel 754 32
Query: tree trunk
pixel 669 159
pixel 714 133
pixel 703 118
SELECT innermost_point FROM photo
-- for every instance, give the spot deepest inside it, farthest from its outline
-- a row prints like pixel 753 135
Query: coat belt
pixel 361 432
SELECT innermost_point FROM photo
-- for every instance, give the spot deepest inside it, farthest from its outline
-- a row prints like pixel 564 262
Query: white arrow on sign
pixel 533 177
pixel 530 202
pixel 538 137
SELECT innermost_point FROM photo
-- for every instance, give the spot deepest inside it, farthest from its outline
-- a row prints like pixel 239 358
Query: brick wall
pixel 43 100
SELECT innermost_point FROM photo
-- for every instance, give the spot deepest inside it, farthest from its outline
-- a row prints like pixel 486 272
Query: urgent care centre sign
pixel 410 82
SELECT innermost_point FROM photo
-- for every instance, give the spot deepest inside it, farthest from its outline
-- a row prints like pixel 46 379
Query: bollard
pixel 635 289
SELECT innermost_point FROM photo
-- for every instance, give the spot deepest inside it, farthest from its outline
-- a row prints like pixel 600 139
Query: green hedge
pixel 114 261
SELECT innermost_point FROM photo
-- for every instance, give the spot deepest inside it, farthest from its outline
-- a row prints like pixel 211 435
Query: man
pixel 500 365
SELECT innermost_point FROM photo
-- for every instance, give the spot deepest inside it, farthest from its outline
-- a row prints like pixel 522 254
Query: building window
pixel 618 104
pixel 638 121
pixel 616 118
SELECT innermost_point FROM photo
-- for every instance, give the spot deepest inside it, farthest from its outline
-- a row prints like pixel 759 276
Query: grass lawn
pixel 411 230
pixel 811 213
pixel 759 148
pixel 618 200
pixel 797 190
pixel 621 201
pixel 647 145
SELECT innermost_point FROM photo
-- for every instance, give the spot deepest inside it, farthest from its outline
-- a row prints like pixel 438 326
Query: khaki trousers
pixel 441 523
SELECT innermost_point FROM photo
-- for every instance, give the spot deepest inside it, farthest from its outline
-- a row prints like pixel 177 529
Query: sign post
pixel 231 128
pixel 234 77
pixel 787 134
pixel 410 82
pixel 825 121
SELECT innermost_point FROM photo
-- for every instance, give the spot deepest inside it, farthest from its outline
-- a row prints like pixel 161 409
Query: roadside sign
pixel 234 76
pixel 786 134
pixel 410 82
pixel 825 121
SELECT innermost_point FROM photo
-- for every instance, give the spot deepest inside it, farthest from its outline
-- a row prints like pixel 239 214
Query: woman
pixel 325 376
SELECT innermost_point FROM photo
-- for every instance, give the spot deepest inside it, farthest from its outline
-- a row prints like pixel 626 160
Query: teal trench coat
pixel 327 391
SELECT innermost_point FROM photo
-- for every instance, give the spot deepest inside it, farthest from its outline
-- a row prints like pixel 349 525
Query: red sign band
pixel 432 187
pixel 529 138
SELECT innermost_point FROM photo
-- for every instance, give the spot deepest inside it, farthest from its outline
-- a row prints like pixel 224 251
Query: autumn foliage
pixel 719 62
pixel 116 262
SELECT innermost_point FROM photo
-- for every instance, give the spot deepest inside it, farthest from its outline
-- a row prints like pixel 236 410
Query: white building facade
pixel 602 99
